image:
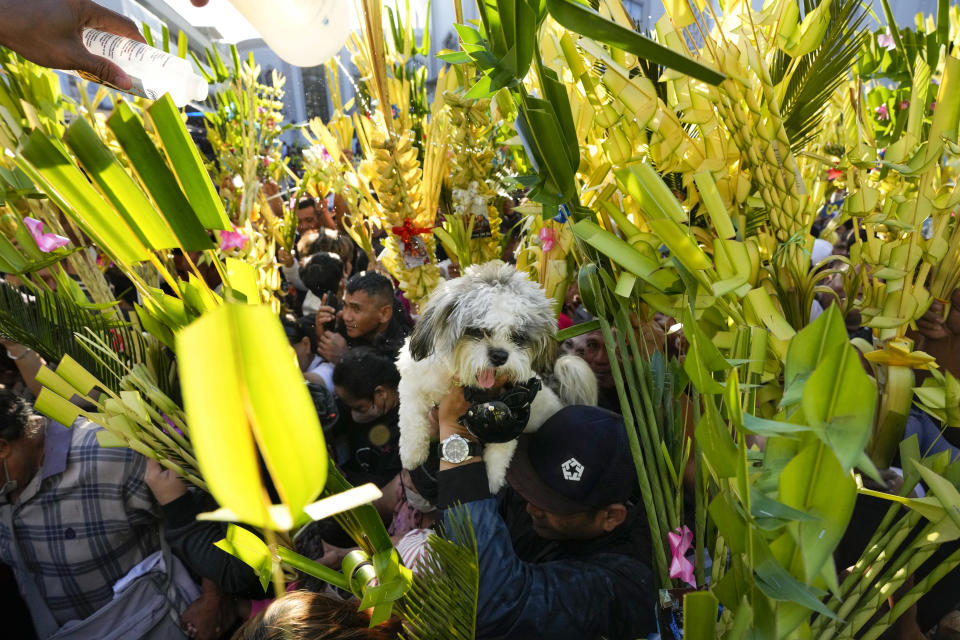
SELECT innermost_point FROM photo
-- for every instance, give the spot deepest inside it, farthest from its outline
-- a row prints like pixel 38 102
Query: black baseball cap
pixel 577 461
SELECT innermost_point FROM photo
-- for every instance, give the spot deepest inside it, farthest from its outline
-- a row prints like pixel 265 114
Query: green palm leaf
pixel 49 324
pixel 442 603
pixel 819 73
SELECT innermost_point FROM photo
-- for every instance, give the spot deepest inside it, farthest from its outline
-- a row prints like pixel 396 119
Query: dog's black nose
pixel 497 356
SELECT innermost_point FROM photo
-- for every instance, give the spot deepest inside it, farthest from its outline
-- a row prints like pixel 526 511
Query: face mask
pixel 372 413
pixel 368 416
pixel 10 485
pixel 417 501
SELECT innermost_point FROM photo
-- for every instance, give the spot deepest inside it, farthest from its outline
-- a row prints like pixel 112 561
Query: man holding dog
pixel 574 563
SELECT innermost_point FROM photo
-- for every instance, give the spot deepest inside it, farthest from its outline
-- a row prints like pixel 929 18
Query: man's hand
pixel 333 556
pixel 452 406
pixel 210 615
pixel 325 313
pixel 285 257
pixel 271 190
pixel 331 345
pixel 953 318
pixel 165 484
pixel 932 325
pixel 49 33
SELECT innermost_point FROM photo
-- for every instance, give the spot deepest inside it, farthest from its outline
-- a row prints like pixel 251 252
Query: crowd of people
pixel 79 519
pixel 564 549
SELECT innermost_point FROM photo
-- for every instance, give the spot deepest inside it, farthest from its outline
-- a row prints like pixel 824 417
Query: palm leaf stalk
pixel 651 491
pixel 876 587
pixel 650 438
pixel 909 599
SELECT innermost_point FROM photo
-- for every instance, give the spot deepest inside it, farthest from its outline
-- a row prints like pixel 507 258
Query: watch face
pixel 455 450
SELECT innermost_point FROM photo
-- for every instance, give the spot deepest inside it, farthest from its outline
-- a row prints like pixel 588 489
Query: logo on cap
pixel 572 470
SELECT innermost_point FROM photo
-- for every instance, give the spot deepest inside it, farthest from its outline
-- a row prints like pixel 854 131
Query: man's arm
pixel 193 540
pixel 28 364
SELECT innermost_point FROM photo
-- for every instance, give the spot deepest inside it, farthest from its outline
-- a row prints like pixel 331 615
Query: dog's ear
pixel 546 355
pixel 431 325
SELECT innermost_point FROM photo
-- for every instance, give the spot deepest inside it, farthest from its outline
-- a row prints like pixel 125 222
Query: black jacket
pixel 558 590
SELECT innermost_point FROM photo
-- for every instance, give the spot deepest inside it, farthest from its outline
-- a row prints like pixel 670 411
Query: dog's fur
pixel 491 307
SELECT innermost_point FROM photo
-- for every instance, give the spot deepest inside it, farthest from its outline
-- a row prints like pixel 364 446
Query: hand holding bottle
pixel 49 33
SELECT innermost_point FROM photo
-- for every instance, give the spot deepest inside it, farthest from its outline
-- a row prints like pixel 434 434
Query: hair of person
pixel 326 240
pixel 305 202
pixel 299 328
pixel 347 250
pixel 304 615
pixel 362 369
pixel 322 273
pixel 15 415
pixel 374 284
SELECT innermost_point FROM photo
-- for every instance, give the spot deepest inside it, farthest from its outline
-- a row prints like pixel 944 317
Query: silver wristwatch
pixel 456 449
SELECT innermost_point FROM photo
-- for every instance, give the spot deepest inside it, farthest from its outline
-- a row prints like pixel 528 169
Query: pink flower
pixel 904 104
pixel 232 240
pixel 885 40
pixel 47 242
pixel 833 174
pixel 882 112
pixel 680 567
pixel 547 239
pixel 933 105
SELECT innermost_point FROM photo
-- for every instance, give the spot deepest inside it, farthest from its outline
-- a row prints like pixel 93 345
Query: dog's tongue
pixel 486 378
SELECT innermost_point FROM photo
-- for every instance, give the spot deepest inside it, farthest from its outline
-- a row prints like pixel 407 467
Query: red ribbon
pixel 407 231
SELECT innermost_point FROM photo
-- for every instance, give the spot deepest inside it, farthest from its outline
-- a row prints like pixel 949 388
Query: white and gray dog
pixel 491 325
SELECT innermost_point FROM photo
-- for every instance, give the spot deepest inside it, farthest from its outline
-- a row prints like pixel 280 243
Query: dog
pixel 492 325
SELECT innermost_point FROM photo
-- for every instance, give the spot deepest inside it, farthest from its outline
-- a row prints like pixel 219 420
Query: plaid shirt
pixel 84 520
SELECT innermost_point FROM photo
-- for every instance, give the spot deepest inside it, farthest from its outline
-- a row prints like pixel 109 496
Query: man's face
pixel 592 349
pixel 365 410
pixel 363 314
pixel 307 220
pixel 23 456
pixel 575 526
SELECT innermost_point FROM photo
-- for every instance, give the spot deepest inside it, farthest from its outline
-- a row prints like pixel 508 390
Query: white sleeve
pixel 292 275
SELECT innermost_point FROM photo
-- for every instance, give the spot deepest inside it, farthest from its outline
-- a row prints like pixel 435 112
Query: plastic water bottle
pixel 153 72
pixel 305 33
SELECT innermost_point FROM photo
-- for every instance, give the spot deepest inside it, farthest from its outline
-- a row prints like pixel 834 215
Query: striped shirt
pixel 84 520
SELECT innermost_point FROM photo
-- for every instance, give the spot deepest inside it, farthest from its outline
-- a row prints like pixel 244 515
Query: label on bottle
pixel 123 50
pixel 136 85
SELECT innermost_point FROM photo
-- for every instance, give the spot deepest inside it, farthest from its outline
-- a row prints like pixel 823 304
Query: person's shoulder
pixel 85 446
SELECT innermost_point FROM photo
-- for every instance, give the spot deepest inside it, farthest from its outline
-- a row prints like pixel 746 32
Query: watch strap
pixel 474 448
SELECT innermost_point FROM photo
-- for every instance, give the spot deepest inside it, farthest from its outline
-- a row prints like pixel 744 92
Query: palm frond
pixel 442 603
pixel 50 324
pixel 818 74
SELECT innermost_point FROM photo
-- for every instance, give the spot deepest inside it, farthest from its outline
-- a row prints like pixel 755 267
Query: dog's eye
pixel 474 332
pixel 520 338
